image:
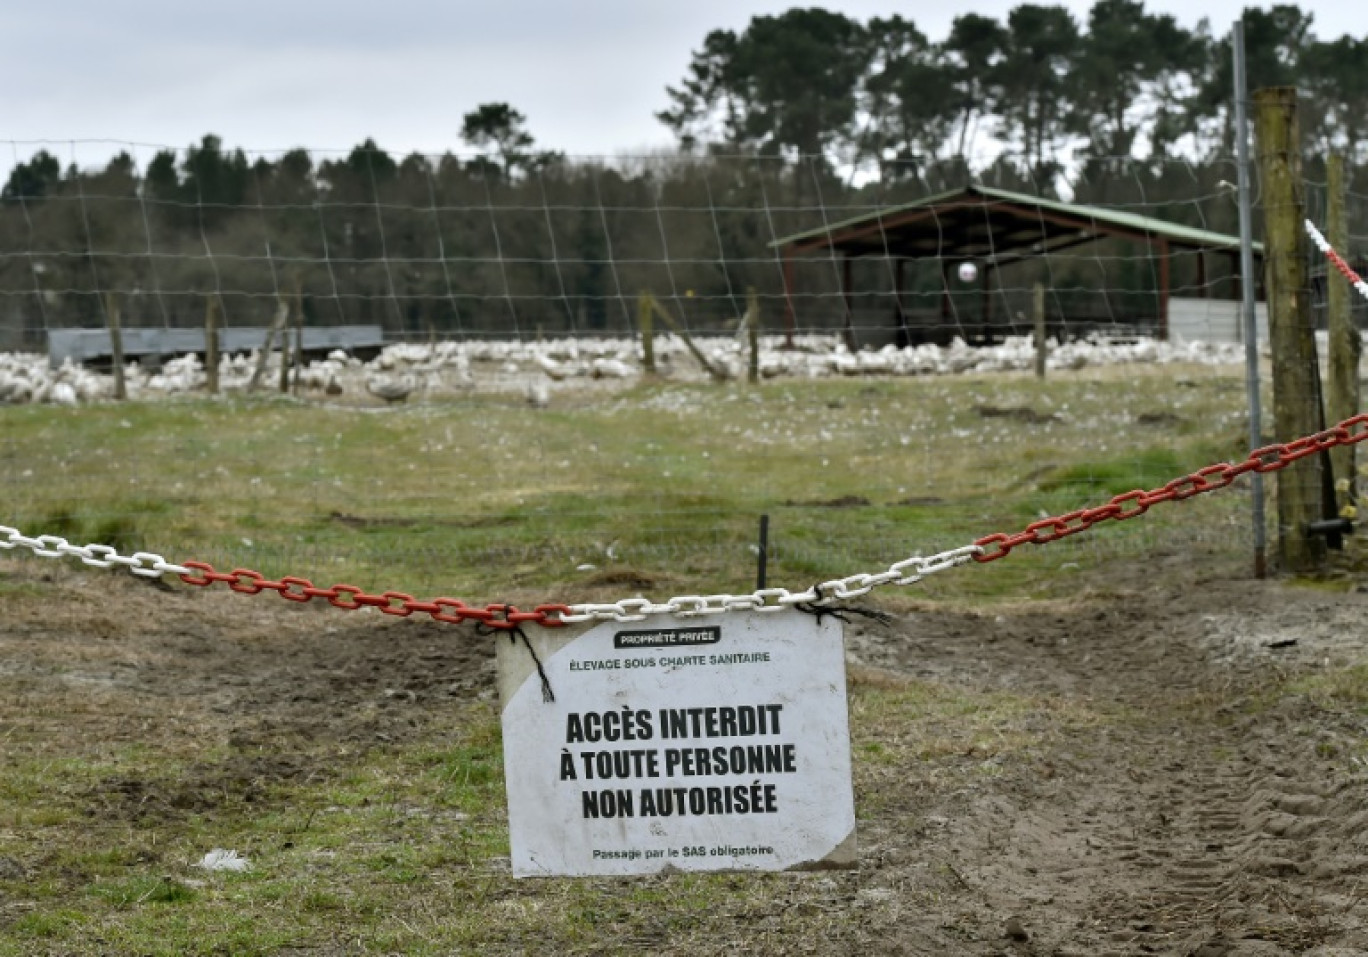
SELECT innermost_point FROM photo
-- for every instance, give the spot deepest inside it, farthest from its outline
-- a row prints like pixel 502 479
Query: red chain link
pixel 1345 269
pixel 497 616
pixel 1270 458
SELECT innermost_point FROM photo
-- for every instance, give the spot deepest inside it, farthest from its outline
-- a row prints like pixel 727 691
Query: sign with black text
pixel 678 744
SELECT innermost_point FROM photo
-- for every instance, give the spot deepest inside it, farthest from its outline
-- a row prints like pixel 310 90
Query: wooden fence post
pixel 753 335
pixel 1038 321
pixel 1346 347
pixel 298 336
pixel 678 330
pixel 285 304
pixel 115 345
pixel 645 317
pixel 1296 395
pixel 277 323
pixel 211 344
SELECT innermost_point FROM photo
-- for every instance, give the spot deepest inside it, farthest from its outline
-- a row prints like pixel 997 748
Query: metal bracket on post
pixel 1334 530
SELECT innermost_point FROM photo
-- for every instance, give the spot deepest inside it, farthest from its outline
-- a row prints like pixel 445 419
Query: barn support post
pixel 790 320
pixel 1165 274
pixel 1296 393
pixel 945 304
pixel 847 300
pixel 986 285
pixel 903 337
pixel 1038 321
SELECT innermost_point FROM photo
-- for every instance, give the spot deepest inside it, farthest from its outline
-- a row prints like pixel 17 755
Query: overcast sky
pixel 266 76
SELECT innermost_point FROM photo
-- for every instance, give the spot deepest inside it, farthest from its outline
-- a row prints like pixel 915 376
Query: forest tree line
pixel 802 119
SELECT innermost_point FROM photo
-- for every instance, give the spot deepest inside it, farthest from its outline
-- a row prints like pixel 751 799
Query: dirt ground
pixel 1207 816
pixel 1206 824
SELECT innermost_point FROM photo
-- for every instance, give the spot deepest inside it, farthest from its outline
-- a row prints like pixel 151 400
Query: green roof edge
pixel 1132 221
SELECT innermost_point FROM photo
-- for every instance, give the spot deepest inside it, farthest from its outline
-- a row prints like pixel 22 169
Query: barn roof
pixel 995 225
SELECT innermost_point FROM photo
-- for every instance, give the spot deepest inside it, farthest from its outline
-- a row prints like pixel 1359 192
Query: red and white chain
pixel 498 616
pixel 1336 259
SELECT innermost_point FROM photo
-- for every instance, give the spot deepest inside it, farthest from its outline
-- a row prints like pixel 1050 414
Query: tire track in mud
pixel 1244 843
pixel 1204 821
pixel 1245 853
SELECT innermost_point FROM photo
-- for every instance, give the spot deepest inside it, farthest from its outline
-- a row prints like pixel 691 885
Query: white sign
pixel 686 744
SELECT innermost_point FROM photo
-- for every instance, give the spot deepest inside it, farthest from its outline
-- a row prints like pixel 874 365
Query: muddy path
pixel 1211 800
pixel 1214 814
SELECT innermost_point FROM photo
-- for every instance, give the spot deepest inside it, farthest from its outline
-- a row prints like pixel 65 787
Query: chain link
pixel 909 571
pixel 1336 259
pixel 906 572
pixel 500 617
pixel 1270 458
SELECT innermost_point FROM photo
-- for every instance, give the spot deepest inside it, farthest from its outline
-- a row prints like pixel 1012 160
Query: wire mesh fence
pixel 522 446
pixel 446 246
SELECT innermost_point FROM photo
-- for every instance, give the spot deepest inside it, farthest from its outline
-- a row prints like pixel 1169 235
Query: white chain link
pixel 147 564
pixel 906 572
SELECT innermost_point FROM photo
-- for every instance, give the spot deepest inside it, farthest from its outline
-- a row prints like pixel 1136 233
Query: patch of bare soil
pixel 1210 819
pixel 266 692
pixel 1206 816
pixel 1017 413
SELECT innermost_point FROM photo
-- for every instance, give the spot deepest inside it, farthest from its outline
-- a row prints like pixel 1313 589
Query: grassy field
pixel 487 497
pixel 395 841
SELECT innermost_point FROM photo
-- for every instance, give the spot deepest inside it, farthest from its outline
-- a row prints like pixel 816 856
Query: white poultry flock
pixel 28 378
pixel 510 365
